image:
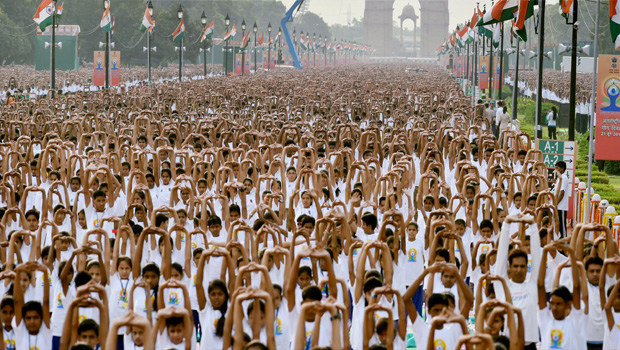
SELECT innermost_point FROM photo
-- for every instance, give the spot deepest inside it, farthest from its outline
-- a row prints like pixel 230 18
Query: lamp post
pixel 203 20
pixel 314 49
pixel 573 73
pixel 148 42
pixel 279 57
pixel 53 54
pixel 242 49
pixel 295 38
pixel 180 16
pixel 269 47
pixel 255 29
pixel 226 23
pixel 325 51
pixel 106 4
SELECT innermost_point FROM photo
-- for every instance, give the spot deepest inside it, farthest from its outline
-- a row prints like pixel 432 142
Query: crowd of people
pixel 29 83
pixel 556 87
pixel 331 208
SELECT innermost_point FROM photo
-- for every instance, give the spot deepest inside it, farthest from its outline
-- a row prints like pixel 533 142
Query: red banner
pixel 483 70
pixel 608 108
pixel 99 69
pixel 115 68
pixel 496 77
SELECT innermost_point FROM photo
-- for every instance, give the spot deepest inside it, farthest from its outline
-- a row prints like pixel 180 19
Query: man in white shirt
pixel 563 189
pixel 523 291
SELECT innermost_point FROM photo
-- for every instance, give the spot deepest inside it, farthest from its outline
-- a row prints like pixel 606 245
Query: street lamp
pixel 148 41
pixel 295 39
pixel 106 4
pixel 325 50
pixel 242 48
pixel 226 23
pixel 279 58
pixel 203 20
pixel 53 54
pixel 180 16
pixel 255 29
pixel 269 46
pixel 314 49
pixel 573 72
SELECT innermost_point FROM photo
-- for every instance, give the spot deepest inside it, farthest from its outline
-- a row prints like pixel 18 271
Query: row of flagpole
pixel 518 11
pixel 310 44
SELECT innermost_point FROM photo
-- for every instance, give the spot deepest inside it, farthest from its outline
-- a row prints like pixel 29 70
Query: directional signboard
pixel 554 151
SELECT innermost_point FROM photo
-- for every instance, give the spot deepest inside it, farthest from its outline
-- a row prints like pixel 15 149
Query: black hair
pixel 437 299
pixel 563 293
pixel 7 301
pixel 32 306
pixel 444 253
pixel 99 193
pixel 304 269
pixel 32 212
pixel 561 164
pixel 219 284
pixel 312 293
pixel 370 220
pixel 160 219
pixel 88 325
pixel 371 284
pixel 593 260
pixel 173 321
pixel 261 306
pixel 82 278
pixel 516 253
pixel 486 224
pixel 214 220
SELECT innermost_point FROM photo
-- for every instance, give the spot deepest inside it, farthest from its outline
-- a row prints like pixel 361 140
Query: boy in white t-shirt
pixel 32 319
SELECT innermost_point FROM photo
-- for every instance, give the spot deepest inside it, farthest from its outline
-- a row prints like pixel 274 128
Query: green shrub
pixel 612 167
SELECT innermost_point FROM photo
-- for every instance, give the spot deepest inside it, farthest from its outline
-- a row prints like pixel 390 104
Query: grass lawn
pixel 608 187
pixel 614 181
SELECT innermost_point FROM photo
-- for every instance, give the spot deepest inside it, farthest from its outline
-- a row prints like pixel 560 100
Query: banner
pixel 99 68
pixel 483 70
pixel 608 108
pixel 496 78
pixel 115 68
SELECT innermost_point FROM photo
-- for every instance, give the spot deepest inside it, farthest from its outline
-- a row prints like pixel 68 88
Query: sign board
pixel 608 108
pixel 483 69
pixel 99 69
pixel 115 68
pixel 554 151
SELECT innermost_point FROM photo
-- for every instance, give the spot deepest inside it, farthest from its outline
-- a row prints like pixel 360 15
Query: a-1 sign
pixel 555 151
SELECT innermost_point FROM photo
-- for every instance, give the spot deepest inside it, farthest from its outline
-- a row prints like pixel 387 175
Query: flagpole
pixel 592 110
pixel 501 62
pixel 491 71
pixel 53 52
pixel 515 86
pixel 541 53
pixel 475 71
pixel 573 76
pixel 467 70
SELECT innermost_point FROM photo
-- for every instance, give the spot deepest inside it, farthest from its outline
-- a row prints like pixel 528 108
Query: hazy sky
pixel 335 11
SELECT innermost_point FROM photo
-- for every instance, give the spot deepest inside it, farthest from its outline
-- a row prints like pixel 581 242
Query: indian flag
pixel 59 10
pixel 463 35
pixel 614 22
pixel 483 30
pixel 302 42
pixel 207 33
pixel 106 21
pixel 497 35
pixel 179 33
pixel 505 10
pixel 147 22
pixel 245 40
pixel 231 33
pixel 43 16
pixel 566 8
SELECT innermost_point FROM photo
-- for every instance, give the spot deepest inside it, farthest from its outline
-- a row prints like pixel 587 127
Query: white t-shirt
pixel 164 342
pixel 26 341
pixel 445 338
pixel 118 297
pixel 208 322
pixel 568 333
pixel 566 187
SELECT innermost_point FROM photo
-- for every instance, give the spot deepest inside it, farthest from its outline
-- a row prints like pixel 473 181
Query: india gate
pixel 378 26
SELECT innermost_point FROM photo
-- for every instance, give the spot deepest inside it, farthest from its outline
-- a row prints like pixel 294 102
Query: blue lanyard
pixel 36 339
